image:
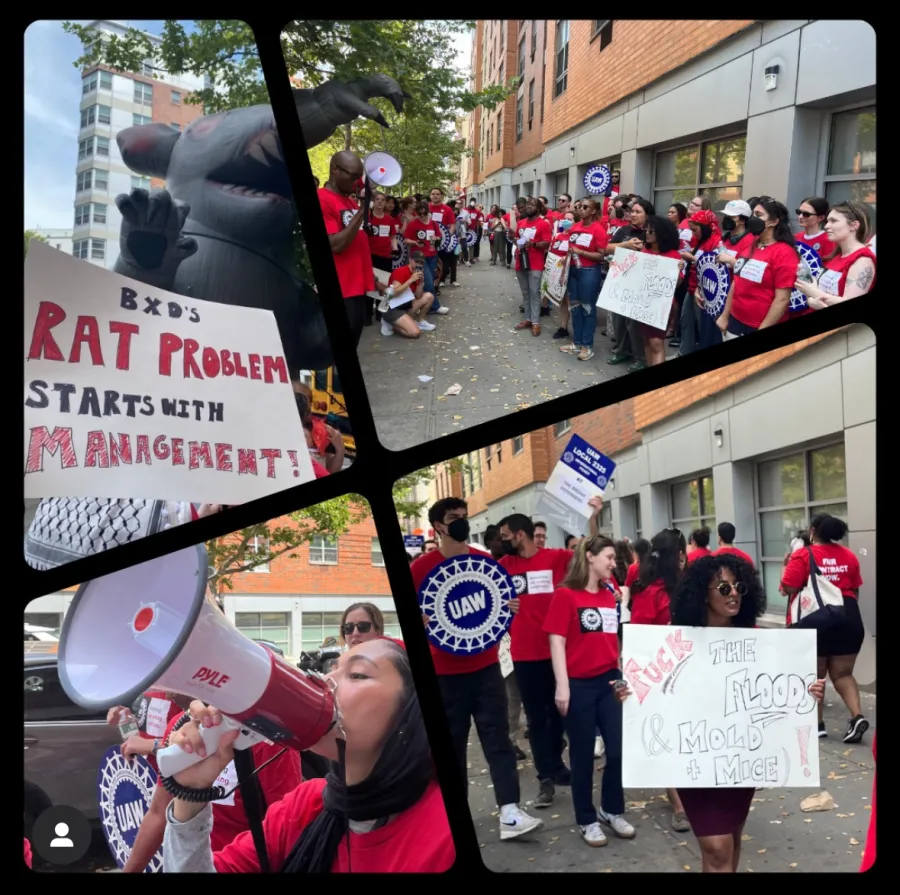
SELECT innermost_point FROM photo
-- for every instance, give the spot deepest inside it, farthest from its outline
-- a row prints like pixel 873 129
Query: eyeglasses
pixel 804 214
pixel 350 627
pixel 725 589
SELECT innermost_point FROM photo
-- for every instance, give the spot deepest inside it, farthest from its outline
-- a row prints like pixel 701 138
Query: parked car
pixel 40 640
pixel 64 744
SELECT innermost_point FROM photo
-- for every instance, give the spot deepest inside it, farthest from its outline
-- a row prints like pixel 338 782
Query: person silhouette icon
pixel 62 837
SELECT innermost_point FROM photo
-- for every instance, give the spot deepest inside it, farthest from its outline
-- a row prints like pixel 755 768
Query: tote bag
pixel 820 604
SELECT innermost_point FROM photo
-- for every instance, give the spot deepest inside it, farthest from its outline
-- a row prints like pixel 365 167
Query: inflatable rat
pixel 221 230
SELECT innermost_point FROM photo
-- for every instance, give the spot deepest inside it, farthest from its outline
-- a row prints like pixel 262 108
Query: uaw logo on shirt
pixel 715 281
pixel 465 599
pixel 591 620
pixel 140 711
pixel 811 265
pixel 520 583
pixel 125 789
pixel 346 217
pixel 597 180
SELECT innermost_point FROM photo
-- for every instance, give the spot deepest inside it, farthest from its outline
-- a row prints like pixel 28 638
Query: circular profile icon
pixel 811 268
pixel 124 792
pixel 597 180
pixel 61 835
pixel 465 599
pixel 715 281
pixel 346 217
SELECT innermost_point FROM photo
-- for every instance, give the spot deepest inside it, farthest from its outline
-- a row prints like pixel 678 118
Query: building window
pixel 521 69
pixel 605 521
pixel 88 116
pixel 105 80
pixel 89 84
pixel 140 183
pixel 602 29
pixel 562 58
pixel 693 505
pixel 82 215
pixel 140 119
pixel 790 491
pixel 143 94
pixel 52 620
pixel 147 69
pixel 85 149
pixel 99 216
pixel 488 456
pixel 323 550
pixel 490 141
pixel 534 27
pixel 518 445
pixel 104 115
pixel 80 248
pixel 714 169
pixel 561 428
pixel 272 626
pixel 391 624
pixel 500 79
pixel 638 521
pixel 318 627
pixel 102 146
pixel 98 249
pixel 84 180
pixel 377 556
pixel 259 547
pixel 519 123
pixel 851 157
pixel 176 97
pixel 499 451
pixel 530 103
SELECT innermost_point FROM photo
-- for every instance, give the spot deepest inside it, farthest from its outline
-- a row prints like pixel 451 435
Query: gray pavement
pixel 778 836
pixel 476 346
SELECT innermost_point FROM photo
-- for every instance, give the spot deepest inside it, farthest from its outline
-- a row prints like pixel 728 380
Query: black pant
pixel 480 696
pixel 356 311
pixel 448 259
pixel 509 246
pixel 476 249
pixel 593 707
pixel 537 685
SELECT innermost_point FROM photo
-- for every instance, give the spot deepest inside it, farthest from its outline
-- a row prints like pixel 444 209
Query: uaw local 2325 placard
pixel 132 391
pixel 719 707
pixel 465 598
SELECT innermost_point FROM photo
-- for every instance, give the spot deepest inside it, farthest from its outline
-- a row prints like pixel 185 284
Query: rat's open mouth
pixel 258 174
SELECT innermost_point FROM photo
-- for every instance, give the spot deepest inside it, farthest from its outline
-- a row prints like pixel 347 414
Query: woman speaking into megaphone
pixel 380 809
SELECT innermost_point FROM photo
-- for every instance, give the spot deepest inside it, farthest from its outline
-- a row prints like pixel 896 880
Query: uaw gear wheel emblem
pixel 597 180
pixel 568 457
pixel 715 281
pixel 141 714
pixel 401 257
pixel 346 217
pixel 449 241
pixel 125 789
pixel 471 238
pixel 813 261
pixel 520 583
pixel 591 619
pixel 465 599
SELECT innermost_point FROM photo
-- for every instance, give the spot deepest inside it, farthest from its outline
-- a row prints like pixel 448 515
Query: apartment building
pixel 58 238
pixel 765 444
pixel 295 601
pixel 727 109
pixel 112 101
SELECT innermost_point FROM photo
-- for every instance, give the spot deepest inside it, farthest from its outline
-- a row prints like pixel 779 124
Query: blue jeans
pixel 593 707
pixel 428 274
pixel 708 334
pixel 584 287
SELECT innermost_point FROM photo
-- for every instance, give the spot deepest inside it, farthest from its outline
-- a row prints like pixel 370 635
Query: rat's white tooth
pixel 256 152
pixel 269 140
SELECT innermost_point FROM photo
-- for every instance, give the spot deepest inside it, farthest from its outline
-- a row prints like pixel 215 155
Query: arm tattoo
pixel 864 280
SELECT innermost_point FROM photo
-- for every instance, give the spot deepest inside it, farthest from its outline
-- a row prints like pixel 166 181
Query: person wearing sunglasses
pixel 362 622
pixel 719 591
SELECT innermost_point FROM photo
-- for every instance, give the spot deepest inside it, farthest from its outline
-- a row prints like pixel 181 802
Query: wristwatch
pixel 155 748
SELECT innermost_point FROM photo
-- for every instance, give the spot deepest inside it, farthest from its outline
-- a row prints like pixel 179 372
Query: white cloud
pixel 61 120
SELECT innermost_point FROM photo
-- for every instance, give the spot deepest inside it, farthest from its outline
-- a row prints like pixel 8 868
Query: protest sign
pixel 553 280
pixel 413 542
pixel 640 286
pixel 716 707
pixel 581 474
pixel 132 391
pixel 504 652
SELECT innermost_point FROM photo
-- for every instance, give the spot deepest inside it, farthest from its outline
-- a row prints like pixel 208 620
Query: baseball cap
pixel 737 208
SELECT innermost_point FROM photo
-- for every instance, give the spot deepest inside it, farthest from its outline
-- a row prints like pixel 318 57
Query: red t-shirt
pixel 320 471
pixel 735 552
pixel 775 266
pixel 535 578
pixel 402 275
pixel 698 553
pixel 442 214
pixel 834 278
pixel 276 779
pixel 819 243
pixel 416 841
pixel 542 233
pixel 869 850
pixel 632 574
pixel 394 640
pixel 837 564
pixel 590 624
pixel 354 264
pixel 28 854
pixel 553 216
pixel 423 234
pixel 559 246
pixel 444 662
pixel 592 237
pixel 382 246
pixel 651 605
pixel 155 713
pixel 505 218
pixel 477 217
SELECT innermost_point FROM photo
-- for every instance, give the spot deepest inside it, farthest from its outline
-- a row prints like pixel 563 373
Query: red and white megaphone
pixel 153 625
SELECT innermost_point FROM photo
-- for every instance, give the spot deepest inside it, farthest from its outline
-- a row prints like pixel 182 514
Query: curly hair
pixel 689 601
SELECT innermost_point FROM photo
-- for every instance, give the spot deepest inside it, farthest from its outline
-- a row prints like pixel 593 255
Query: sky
pixel 52 98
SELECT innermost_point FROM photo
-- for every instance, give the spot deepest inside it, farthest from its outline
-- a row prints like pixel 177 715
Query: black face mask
pixel 509 548
pixel 727 224
pixel 755 226
pixel 458 530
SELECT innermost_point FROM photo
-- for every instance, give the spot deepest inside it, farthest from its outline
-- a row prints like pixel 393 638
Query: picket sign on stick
pixel 135 392
pixel 640 286
pixel 719 707
pixel 555 277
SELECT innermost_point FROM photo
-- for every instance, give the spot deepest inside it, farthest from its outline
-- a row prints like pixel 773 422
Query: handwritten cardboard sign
pixel 136 392
pixel 555 277
pixel 718 707
pixel 505 655
pixel 581 474
pixel 640 286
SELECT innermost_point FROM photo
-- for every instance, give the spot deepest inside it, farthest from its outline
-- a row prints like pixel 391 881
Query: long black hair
pixel 828 529
pixel 662 563
pixel 776 209
pixel 666 233
pixel 689 600
pixel 398 781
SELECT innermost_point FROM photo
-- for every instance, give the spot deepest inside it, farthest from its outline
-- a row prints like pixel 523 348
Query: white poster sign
pixel 555 277
pixel 132 391
pixel 640 286
pixel 713 707
pixel 505 656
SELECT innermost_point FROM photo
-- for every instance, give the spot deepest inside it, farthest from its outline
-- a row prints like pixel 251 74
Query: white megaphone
pixel 153 626
pixel 382 169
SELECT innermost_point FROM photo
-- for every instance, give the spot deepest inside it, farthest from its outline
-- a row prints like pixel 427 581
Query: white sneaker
pixel 599 747
pixel 443 309
pixel 619 825
pixel 593 835
pixel 386 328
pixel 519 824
pixel 454 283
pixel 426 327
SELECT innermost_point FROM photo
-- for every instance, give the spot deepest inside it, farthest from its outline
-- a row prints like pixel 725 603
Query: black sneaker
pixel 520 754
pixel 822 731
pixel 521 309
pixel 856 727
pixel 561 333
pixel 545 312
pixel 545 796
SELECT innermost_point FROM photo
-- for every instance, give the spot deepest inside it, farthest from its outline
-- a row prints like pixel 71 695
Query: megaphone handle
pixel 173 759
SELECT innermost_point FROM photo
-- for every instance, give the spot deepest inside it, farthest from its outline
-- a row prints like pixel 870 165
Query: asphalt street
pixel 778 836
pixel 477 347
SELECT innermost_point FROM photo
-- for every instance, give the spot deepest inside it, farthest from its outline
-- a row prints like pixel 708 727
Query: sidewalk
pixel 476 346
pixel 781 837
